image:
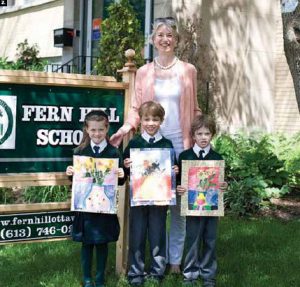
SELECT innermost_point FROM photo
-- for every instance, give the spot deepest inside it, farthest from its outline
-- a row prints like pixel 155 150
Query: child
pixel 149 219
pixel 94 229
pixel 201 230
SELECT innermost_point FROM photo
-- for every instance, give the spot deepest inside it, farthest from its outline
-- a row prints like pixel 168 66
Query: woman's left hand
pixel 175 168
pixel 127 162
pixel 116 139
pixel 180 189
pixel 120 172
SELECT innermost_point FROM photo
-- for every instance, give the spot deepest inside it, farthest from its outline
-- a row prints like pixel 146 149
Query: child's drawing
pixel 95 183
pixel 203 196
pixel 151 179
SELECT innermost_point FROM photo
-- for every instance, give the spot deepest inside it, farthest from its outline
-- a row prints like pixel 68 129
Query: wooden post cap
pixel 129 54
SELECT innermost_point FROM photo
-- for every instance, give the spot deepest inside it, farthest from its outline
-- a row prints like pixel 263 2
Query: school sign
pixel 40 125
pixel 41 118
pixel 35 226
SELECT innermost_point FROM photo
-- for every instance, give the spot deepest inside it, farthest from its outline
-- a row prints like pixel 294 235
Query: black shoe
pixel 154 278
pixel 189 283
pixel 88 284
pixel 136 281
pixel 209 284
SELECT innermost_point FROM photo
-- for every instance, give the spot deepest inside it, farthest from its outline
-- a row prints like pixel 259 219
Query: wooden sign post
pixel 128 76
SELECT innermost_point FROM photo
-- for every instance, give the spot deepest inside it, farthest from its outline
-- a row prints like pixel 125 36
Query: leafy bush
pixel 120 32
pixel 4 64
pixel 6 196
pixel 27 59
pixel 258 167
pixel 35 194
pixel 242 197
pixel 289 152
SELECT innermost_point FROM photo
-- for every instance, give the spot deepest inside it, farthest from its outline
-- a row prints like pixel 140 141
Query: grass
pixel 251 253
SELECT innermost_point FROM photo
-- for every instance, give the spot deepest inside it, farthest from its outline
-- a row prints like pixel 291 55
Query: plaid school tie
pixel 201 152
pixel 96 149
pixel 151 140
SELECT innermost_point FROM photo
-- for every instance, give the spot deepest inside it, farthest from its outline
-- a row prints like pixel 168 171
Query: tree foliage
pixel 120 31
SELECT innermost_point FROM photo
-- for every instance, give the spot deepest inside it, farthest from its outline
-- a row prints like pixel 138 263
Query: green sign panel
pixel 35 226
pixel 41 125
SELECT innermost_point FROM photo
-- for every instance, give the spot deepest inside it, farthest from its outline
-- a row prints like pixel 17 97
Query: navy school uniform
pixel 149 219
pixel 200 231
pixel 95 228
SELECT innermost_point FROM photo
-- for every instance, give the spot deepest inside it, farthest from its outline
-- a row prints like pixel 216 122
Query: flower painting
pixel 202 181
pixel 152 181
pixel 95 184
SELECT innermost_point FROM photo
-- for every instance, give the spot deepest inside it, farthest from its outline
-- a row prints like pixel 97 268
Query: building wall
pixel 34 22
pixel 162 8
pixel 244 59
pixel 253 88
pixel 68 22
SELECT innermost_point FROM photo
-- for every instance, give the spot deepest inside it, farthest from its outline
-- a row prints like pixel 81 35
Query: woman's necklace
pixel 175 60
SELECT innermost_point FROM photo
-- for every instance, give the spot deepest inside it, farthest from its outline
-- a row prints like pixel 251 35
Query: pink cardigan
pixel 144 91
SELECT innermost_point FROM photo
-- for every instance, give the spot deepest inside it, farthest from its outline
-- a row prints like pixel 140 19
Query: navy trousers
pixel 143 220
pixel 200 260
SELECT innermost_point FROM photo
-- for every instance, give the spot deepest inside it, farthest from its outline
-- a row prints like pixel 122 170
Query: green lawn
pixel 251 253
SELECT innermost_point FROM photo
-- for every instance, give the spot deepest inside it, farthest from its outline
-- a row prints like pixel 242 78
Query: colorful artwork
pixel 152 181
pixel 95 184
pixel 202 180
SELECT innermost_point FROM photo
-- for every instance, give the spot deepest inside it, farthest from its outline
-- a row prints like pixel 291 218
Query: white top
pixel 156 137
pixel 167 93
pixel 101 145
pixel 197 149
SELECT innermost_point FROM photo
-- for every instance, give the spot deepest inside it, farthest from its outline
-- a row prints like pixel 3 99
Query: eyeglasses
pixel 170 20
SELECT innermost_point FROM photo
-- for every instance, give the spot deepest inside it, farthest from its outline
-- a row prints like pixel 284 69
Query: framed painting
pixel 202 180
pixel 152 181
pixel 95 183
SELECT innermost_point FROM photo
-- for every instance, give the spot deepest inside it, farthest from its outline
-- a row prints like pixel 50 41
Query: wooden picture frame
pixel 202 179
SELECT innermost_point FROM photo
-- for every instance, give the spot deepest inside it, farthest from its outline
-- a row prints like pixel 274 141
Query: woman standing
pixel 172 83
